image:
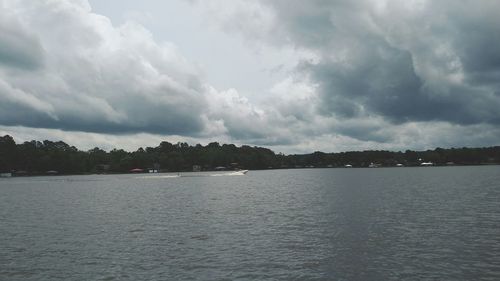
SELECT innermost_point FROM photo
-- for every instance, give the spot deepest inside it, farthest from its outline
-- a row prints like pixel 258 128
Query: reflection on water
pixel 315 224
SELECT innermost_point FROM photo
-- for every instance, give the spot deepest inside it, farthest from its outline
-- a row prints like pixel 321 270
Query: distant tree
pixel 41 156
pixel 8 153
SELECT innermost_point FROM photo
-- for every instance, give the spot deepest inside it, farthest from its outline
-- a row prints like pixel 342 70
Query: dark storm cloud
pixel 475 34
pixel 18 48
pixel 433 61
pixel 388 86
pixel 143 117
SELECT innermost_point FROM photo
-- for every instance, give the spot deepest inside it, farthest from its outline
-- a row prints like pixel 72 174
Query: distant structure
pixel 5 175
pixel 156 166
pixel 102 168
pixel 348 166
pixel 196 168
pixel 154 169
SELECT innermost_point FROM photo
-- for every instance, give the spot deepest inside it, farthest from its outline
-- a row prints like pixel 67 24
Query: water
pixel 440 223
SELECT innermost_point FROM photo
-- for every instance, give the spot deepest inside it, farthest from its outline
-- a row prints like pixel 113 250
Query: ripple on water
pixel 315 224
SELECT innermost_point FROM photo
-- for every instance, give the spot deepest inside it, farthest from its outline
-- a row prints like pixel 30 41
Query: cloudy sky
pixel 294 76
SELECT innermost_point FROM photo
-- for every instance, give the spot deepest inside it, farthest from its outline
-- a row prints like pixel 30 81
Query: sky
pixel 293 76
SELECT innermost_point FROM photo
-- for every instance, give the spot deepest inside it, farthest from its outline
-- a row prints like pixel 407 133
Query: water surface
pixel 440 223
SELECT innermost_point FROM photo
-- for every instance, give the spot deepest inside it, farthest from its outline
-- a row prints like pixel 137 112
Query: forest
pixel 57 157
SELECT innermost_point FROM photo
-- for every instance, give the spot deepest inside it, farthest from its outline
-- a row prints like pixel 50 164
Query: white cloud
pixel 97 77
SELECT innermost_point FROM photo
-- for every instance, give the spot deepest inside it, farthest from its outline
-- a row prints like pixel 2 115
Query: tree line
pixel 57 157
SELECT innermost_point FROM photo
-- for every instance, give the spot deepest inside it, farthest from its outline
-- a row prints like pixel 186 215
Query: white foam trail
pixel 159 177
pixel 237 173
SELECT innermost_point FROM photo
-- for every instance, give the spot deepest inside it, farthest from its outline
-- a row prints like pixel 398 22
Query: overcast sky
pixel 294 76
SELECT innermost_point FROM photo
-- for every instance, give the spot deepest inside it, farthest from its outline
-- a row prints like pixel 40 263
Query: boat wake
pixel 159 177
pixel 204 174
pixel 235 173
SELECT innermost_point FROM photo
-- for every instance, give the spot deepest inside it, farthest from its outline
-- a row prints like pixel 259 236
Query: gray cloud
pixel 94 77
pixel 405 61
pixel 18 48
pixel 370 74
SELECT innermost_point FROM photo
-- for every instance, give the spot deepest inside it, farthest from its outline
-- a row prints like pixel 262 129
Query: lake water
pixel 440 223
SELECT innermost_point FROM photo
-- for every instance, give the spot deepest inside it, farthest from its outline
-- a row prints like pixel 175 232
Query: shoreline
pixel 231 171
